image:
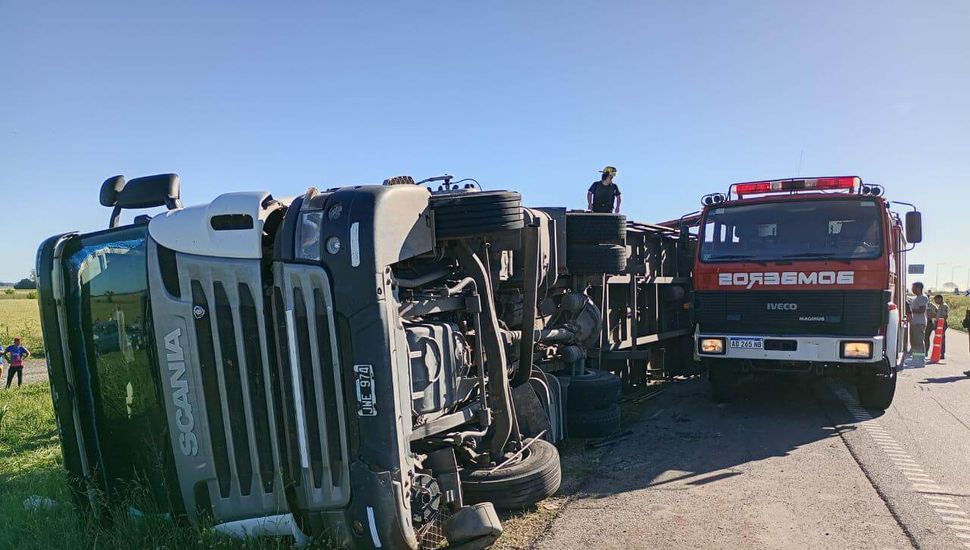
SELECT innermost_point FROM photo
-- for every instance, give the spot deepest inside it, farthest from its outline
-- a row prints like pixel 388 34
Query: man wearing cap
pixel 603 194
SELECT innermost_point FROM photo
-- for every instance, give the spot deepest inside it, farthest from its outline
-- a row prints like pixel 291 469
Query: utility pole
pixel 937 285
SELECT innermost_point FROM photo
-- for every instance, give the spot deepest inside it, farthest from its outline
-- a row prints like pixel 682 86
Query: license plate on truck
pixel 748 343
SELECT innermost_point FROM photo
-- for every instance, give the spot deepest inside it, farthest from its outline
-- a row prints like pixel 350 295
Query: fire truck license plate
pixel 748 343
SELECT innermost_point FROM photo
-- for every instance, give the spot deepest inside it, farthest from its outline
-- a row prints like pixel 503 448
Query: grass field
pixel 19 316
pixel 958 310
pixel 30 466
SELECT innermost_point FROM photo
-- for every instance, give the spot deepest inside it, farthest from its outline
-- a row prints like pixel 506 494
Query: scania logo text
pixel 787 278
pixel 782 307
pixel 184 419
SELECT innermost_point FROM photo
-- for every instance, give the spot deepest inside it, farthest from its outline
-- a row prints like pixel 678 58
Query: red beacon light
pixel 848 183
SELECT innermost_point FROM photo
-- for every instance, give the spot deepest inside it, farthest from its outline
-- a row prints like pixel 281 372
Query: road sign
pixel 917 269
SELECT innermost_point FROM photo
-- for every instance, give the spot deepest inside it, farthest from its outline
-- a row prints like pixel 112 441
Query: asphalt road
pixel 789 464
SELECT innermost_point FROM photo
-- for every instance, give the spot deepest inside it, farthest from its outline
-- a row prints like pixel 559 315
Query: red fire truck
pixel 803 275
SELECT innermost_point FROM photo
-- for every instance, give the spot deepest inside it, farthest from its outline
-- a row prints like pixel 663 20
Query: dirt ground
pixel 35 370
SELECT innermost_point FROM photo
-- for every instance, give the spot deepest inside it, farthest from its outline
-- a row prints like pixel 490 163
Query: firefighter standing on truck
pixel 604 196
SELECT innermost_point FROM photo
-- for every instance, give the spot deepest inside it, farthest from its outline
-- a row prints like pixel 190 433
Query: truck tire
pixel 593 390
pixel 591 227
pixel 520 484
pixel 722 382
pixel 469 214
pixel 590 424
pixel 876 392
pixel 596 258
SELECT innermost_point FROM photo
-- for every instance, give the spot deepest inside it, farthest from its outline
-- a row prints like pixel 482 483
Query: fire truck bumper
pixel 815 349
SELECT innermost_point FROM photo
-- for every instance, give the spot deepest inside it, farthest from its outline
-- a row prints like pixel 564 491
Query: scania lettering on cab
pixel 803 275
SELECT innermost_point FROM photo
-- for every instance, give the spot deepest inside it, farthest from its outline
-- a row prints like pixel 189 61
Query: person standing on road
pixel 604 195
pixel 16 354
pixel 966 325
pixel 935 310
pixel 917 326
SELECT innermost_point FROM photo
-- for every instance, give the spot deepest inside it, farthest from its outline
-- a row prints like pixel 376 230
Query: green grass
pixel 17 294
pixel 20 317
pixel 958 310
pixel 30 465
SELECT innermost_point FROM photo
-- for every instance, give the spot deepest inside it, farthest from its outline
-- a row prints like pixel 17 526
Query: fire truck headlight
pixel 308 235
pixel 857 350
pixel 711 345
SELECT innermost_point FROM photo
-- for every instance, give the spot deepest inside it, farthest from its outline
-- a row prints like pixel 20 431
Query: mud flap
pixel 531 415
pixel 473 527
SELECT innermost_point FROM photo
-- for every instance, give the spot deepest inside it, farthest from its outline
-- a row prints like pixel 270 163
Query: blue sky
pixel 683 97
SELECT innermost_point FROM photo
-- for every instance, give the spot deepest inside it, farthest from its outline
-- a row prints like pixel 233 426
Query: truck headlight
pixel 857 350
pixel 308 235
pixel 711 345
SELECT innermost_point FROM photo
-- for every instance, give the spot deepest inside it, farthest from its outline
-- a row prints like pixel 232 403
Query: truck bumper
pixel 814 349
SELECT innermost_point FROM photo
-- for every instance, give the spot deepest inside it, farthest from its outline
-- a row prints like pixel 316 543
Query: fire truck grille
pixel 837 313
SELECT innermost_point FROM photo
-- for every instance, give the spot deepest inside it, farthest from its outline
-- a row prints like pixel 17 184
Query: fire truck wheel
pixel 590 227
pixel 876 392
pixel 469 214
pixel 589 424
pixel 721 382
pixel 593 390
pixel 520 483
pixel 596 258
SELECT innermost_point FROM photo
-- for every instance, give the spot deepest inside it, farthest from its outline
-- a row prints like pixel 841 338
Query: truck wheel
pixel 593 390
pixel 591 227
pixel 469 214
pixel 876 392
pixel 589 424
pixel 521 483
pixel 721 382
pixel 596 258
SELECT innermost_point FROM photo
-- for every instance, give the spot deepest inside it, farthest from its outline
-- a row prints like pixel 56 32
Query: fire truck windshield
pixel 838 229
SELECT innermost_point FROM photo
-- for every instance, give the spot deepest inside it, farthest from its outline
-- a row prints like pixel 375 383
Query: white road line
pixel 921 483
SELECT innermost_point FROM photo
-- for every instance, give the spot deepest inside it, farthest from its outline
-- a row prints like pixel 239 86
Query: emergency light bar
pixel 849 183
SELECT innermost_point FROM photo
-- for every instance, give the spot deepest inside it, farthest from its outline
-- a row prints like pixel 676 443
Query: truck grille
pixel 839 313
pixel 313 386
pixel 235 469
pixel 234 390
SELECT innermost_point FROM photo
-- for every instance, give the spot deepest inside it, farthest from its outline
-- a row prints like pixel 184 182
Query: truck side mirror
pixel 143 192
pixel 914 227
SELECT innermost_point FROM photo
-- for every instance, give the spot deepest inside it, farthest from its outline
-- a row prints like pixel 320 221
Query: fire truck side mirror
pixel 914 227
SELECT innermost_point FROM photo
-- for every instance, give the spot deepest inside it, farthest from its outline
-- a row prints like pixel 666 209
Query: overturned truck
pixel 377 366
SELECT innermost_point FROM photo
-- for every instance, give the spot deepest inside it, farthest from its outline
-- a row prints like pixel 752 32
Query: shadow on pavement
pixel 695 441
pixel 945 380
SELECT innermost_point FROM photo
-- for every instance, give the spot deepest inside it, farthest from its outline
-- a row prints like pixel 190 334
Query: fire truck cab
pixel 803 275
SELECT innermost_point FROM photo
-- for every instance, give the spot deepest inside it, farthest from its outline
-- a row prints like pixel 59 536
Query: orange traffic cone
pixel 937 342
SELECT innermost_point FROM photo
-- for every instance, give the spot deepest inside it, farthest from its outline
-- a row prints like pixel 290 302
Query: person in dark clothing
pixel 604 196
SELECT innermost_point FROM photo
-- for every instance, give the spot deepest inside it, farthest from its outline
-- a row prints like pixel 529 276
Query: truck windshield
pixel 110 336
pixel 837 229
